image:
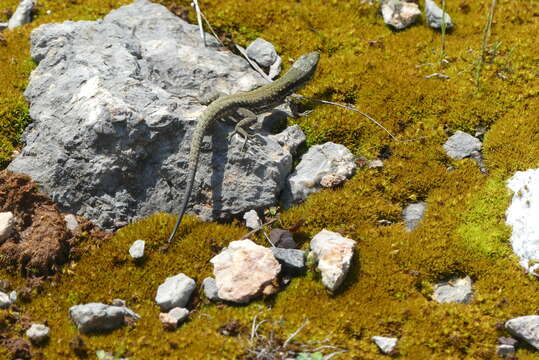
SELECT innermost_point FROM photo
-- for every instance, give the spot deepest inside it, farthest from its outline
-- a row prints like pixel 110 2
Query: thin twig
pixel 353 108
pixel 253 64
pixel 254 231
pixel 211 28
pixel 285 344
pixel 486 36
pixel 438 75
pixel 199 21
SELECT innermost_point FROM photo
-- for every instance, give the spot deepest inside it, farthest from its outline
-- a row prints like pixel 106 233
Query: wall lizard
pixel 247 104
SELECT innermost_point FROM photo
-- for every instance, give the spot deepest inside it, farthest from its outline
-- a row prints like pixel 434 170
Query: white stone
pixel 319 162
pixel 175 292
pixel 137 249
pixel 399 14
pixel 522 217
pixel 252 221
pixel 461 145
pixel 244 271
pixel 5 301
pixel 7 221
pixel 263 52
pixel 72 223
pixel 434 15
pixel 525 328
pixel 38 333
pixel 22 15
pixel 13 296
pixel 385 344
pixel 454 291
pixel 174 317
pixel 333 252
pixel 413 214
pixel 98 317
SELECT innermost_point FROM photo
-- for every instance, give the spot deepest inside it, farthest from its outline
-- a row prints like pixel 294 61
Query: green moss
pixel 388 289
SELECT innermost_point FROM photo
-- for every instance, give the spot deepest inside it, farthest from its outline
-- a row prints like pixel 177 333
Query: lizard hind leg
pixel 249 118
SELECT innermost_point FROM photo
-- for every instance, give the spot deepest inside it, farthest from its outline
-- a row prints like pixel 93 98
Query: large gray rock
pixel 435 16
pixel 114 106
pixel 98 317
pixel 319 163
pixel 23 14
pixel 454 291
pixel 399 14
pixel 175 292
pixel 333 252
pixel 244 271
pixel 525 328
pixel 413 214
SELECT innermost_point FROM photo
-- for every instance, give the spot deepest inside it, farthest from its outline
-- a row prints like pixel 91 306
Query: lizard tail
pixel 193 157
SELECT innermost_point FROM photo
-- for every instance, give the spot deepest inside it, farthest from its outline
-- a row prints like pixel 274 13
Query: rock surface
pixel 23 14
pixel 320 161
pixel 385 344
pixel 521 215
pixel 462 145
pixel 413 214
pixel 38 333
pixel 290 138
pixel 244 271
pixel 98 317
pixel 525 328
pixel 6 225
pixel 333 252
pixel 173 318
pixel 454 291
pixel 399 14
pixel 282 238
pixel 292 260
pixel 210 289
pixel 252 221
pixel 175 292
pixel 136 251
pixel 72 223
pixel 263 52
pixel 435 16
pixel 113 108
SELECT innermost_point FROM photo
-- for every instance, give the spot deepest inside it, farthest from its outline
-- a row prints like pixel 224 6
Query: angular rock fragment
pixel 435 16
pixel 173 318
pixel 23 14
pixel 399 14
pixel 244 271
pixel 525 328
pixel 282 238
pixel 263 52
pixel 137 249
pixel 290 138
pixel 385 344
pixel 413 214
pixel 38 333
pixel 454 291
pixel 98 317
pixel 328 159
pixel 252 221
pixel 292 260
pixel 175 292
pixel 333 252
pixel 72 223
pixel 210 289
pixel 462 145
pixel 5 301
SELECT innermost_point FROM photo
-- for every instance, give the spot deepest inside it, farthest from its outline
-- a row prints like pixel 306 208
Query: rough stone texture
pixel 72 223
pixel 252 221
pixel 413 214
pixel 6 225
pixel 454 291
pixel 5 301
pixel 462 145
pixel 399 14
pixel 290 138
pixel 210 289
pixel 334 255
pixel 98 317
pixel 137 249
pixel 521 215
pixel 282 238
pixel 292 260
pixel 505 350
pixel 175 292
pixel 173 318
pixel 320 161
pixel 38 333
pixel 23 14
pixel 244 271
pixel 113 108
pixel 332 180
pixel 263 52
pixel 525 328
pixel 385 344
pixel 434 15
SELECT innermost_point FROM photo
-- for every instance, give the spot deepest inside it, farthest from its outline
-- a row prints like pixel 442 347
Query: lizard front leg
pixel 249 118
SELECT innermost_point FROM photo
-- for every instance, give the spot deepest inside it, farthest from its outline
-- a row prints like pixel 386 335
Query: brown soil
pixel 41 241
pixel 18 347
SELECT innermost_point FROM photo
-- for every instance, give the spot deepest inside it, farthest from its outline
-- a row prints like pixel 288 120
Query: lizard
pixel 248 104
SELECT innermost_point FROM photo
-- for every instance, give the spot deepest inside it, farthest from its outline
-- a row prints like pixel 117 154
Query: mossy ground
pixel 386 293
